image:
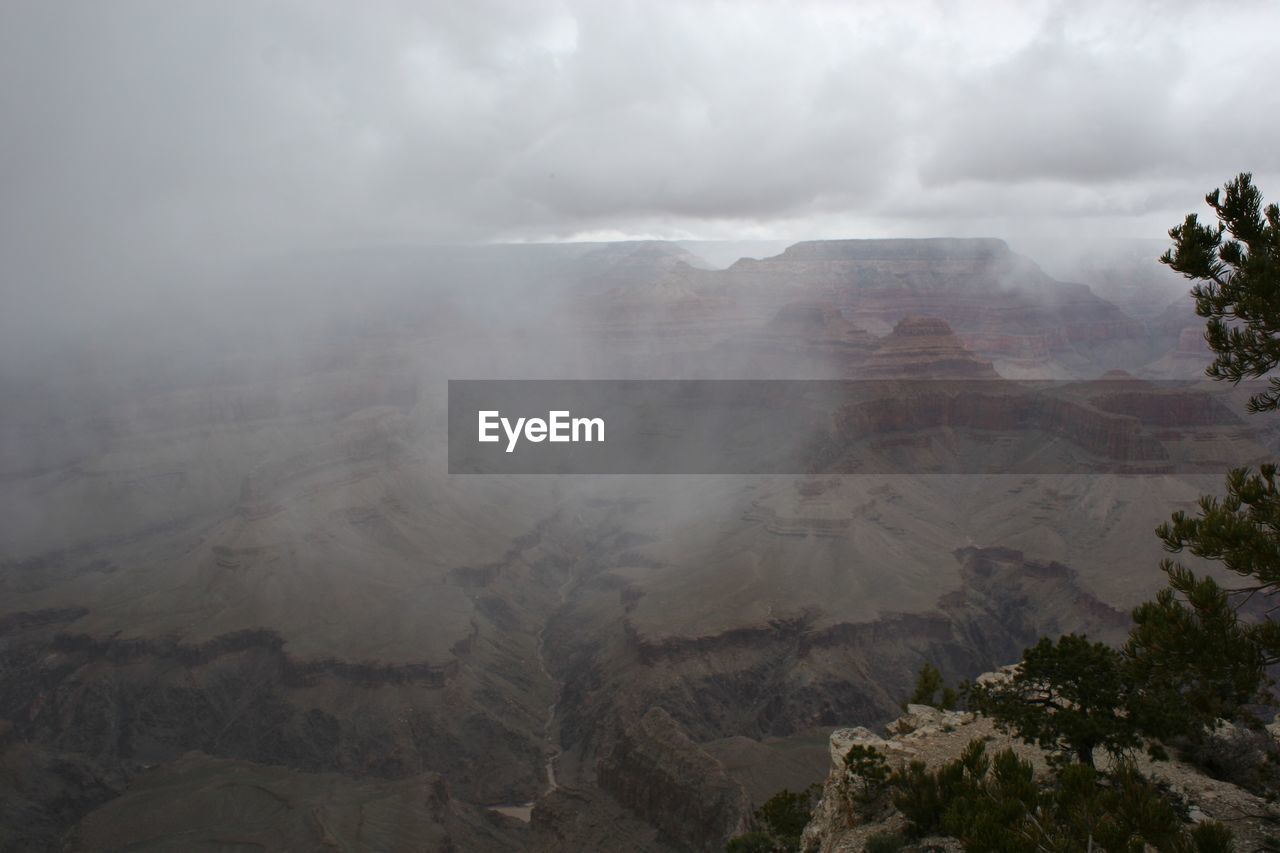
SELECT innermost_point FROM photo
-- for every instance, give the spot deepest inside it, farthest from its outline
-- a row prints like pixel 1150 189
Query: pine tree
pixel 932 690
pixel 1195 658
pixel 1191 657
pixel 1070 697
pixel 1237 283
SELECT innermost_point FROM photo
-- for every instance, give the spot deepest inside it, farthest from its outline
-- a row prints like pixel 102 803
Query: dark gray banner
pixel 1113 425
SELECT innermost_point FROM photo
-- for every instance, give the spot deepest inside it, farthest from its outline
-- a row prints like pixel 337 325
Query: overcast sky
pixel 150 132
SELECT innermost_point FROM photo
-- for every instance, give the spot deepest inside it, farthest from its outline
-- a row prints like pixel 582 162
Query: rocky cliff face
pixel 121 706
pixel 658 772
pixel 999 304
pixel 1004 301
pixel 791 676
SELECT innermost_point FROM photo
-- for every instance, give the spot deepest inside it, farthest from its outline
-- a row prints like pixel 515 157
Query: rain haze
pixel 921 392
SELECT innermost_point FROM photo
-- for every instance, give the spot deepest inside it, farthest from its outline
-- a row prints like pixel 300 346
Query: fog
pixel 252 582
pixel 201 196
pixel 151 147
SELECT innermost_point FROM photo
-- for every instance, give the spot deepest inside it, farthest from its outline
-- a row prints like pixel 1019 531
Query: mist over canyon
pixel 859 304
pixel 237 574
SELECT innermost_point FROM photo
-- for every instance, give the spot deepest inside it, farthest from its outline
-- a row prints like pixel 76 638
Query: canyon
pixel 242 599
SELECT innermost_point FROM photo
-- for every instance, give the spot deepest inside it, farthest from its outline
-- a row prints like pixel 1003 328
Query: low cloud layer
pixel 145 133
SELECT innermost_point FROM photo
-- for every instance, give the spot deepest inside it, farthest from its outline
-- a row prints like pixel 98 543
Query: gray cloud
pixel 142 136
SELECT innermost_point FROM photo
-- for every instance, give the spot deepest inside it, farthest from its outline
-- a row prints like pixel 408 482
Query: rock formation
pixel 924 348
pixel 936 737
pixel 662 775
pixel 1001 303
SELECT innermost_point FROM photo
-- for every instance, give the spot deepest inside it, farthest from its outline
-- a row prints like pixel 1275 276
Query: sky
pixel 144 137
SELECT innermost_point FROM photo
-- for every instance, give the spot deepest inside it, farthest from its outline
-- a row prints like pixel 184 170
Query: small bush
pixel 932 690
pixel 780 821
pixel 917 794
pixel 866 774
pixel 1213 837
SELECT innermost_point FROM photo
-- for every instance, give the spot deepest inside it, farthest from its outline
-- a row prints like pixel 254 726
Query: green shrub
pixel 867 774
pixel 780 821
pixel 923 797
pixel 1213 837
pixel 918 796
pixel 932 690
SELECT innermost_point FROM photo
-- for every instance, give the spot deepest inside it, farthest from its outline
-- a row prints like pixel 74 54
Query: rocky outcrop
pixel 924 348
pixel 922 733
pixel 936 737
pixel 663 776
